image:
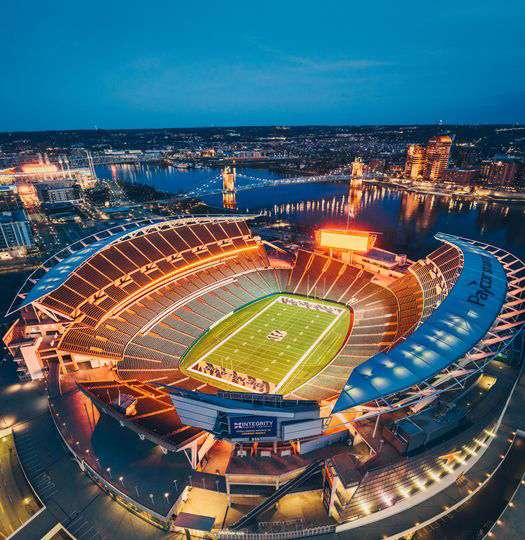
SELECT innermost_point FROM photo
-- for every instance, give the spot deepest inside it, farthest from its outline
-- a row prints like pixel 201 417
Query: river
pixel 406 221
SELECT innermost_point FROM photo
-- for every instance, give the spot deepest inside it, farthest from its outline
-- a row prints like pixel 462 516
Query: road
pixel 484 509
pixel 70 497
pixel 17 500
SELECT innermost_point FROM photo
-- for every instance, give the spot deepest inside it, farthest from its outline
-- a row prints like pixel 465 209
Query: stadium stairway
pixel 312 469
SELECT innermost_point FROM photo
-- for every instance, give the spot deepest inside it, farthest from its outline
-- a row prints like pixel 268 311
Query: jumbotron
pixel 343 368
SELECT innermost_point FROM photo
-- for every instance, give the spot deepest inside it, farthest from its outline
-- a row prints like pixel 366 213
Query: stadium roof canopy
pixel 453 329
pixel 58 274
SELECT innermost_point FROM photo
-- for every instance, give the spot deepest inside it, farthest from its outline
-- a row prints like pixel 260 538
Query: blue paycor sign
pixel 253 426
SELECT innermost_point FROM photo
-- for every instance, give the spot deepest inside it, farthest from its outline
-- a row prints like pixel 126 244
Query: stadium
pixel 338 368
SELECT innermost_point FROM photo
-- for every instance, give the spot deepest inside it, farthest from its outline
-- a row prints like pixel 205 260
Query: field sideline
pixel 282 341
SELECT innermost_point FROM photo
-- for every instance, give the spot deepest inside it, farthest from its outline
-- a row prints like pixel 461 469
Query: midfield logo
pixel 277 335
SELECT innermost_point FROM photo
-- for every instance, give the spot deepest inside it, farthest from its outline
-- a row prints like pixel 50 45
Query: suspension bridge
pixel 215 185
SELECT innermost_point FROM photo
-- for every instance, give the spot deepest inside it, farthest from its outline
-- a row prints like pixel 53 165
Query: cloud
pixel 313 65
pixel 326 66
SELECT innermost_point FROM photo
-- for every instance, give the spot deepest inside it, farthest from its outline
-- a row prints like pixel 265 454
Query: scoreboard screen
pixel 345 240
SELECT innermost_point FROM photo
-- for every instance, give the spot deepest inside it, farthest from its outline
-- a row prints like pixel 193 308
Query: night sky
pixel 126 64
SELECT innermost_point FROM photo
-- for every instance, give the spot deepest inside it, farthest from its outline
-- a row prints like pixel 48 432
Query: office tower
pixel 467 155
pixel 9 198
pixel 415 162
pixel 430 161
pixel 59 192
pixel 502 172
pixel 437 154
pixel 15 232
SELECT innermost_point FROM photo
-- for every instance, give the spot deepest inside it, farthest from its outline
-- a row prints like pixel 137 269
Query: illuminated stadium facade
pixel 194 330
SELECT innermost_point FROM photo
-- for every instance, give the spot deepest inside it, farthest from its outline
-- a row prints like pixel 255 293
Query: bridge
pixel 83 158
pixel 214 185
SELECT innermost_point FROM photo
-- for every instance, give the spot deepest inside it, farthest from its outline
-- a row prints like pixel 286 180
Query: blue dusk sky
pixel 128 64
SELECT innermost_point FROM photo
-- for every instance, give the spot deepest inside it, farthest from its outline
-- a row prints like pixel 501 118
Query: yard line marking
pixel 309 350
pixel 226 339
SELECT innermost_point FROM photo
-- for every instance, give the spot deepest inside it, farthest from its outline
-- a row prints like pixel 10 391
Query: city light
pixel 209 311
pixel 434 476
pixel 365 507
pixel 387 499
pixel 420 484
pixel 404 492
pixel 39 168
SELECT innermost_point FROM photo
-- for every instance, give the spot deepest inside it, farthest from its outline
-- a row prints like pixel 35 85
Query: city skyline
pixel 263 270
pixel 70 68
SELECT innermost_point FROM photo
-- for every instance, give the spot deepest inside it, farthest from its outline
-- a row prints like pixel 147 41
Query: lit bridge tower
pixel 355 190
pixel 357 172
pixel 229 175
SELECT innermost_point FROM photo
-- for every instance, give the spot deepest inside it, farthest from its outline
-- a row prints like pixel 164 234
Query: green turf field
pixel 271 340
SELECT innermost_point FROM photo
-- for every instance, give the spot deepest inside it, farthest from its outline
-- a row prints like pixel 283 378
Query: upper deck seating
pixel 410 304
pixel 134 263
pixel 148 314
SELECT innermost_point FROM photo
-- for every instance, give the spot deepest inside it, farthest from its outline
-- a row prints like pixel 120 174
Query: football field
pixel 272 345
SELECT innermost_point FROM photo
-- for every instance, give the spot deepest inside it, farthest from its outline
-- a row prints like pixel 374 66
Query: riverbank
pixel 455 191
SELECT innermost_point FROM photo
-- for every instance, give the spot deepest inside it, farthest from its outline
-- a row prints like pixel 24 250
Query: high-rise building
pixel 503 172
pixel 59 192
pixel 9 198
pixel 415 162
pixel 15 233
pixel 430 161
pixel 436 157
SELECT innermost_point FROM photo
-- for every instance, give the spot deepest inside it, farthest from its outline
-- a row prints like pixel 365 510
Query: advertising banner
pixel 252 427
